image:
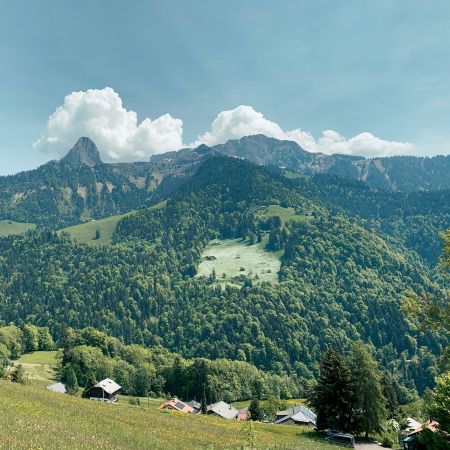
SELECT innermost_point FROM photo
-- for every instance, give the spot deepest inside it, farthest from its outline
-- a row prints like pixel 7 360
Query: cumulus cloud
pixel 245 121
pixel 100 115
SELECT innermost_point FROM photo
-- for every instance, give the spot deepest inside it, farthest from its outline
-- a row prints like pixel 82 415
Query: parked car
pixel 339 437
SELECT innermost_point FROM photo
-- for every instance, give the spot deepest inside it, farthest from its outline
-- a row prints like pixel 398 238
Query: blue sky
pixel 381 67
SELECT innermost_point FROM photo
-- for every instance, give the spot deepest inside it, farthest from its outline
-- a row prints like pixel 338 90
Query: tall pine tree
pixel 370 411
pixel 332 397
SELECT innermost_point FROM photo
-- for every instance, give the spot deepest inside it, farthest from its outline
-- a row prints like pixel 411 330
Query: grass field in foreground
pixel 85 232
pixel 32 417
pixel 39 365
pixel 8 227
pixel 233 255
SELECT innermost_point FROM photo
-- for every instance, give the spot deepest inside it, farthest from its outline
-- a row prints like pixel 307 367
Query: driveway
pixel 367 446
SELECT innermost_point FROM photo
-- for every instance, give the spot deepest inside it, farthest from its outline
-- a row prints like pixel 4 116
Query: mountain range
pixel 80 186
pixel 347 252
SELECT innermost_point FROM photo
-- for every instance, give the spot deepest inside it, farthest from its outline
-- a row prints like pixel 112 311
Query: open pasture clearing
pixel 285 214
pixel 39 366
pixel 234 257
pixel 8 227
pixel 86 232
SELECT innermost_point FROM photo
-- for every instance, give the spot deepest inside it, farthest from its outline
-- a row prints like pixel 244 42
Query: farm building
pixel 296 415
pixel 106 390
pixel 222 409
pixel 177 405
pixel 57 387
pixel 196 406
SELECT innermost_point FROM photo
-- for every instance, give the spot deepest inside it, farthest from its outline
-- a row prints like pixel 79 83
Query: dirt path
pixel 367 446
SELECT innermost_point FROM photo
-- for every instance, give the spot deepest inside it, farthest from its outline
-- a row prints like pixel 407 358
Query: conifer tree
pixel 71 380
pixel 18 374
pixel 255 410
pixel 370 411
pixel 390 395
pixel 204 406
pixel 90 383
pixel 332 397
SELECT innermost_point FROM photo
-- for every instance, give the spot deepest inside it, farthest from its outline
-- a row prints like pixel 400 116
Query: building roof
pixel 108 386
pixel 57 387
pixel 223 409
pixel 178 405
pixel 297 413
pixel 194 404
pixel 412 424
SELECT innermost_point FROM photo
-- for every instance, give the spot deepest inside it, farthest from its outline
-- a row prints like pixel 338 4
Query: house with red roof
pixel 177 405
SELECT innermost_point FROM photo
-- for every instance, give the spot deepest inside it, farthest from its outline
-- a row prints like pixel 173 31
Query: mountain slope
pixel 75 189
pixel 338 281
pixel 402 173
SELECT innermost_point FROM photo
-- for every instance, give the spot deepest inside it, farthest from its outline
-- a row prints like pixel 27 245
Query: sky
pixel 142 77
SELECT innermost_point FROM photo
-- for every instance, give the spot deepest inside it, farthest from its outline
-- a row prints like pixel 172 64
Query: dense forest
pixel 88 355
pixel 340 280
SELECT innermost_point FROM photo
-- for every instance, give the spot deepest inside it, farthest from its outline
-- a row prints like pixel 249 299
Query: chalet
pixel 222 409
pixel 410 442
pixel 106 390
pixel 177 405
pixel 57 387
pixel 296 415
pixel 196 406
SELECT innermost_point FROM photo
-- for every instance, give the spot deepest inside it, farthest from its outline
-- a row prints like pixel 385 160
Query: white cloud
pixel 99 114
pixel 245 121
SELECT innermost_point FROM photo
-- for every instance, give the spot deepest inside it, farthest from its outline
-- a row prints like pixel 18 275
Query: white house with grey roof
pixel 296 415
pixel 106 390
pixel 222 409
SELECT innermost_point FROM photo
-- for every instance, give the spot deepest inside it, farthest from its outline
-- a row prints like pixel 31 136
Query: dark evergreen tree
pixel 90 383
pixel 390 395
pixel 204 404
pixel 333 397
pixel 71 381
pixel 18 374
pixel 369 411
pixel 256 413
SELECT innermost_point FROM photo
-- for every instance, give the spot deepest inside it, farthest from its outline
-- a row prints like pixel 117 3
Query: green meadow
pixel 231 258
pixel 32 417
pixel 8 227
pixel 285 214
pixel 86 232
pixel 39 366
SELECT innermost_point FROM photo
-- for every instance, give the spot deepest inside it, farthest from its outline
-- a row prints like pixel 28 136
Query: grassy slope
pixel 253 258
pixel 8 227
pixel 85 232
pixel 39 366
pixel 285 214
pixel 32 417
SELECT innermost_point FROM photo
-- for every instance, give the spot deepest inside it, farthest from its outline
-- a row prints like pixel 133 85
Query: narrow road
pixel 367 446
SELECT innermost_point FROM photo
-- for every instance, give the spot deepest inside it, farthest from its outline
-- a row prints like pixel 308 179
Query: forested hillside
pixel 75 189
pixel 339 280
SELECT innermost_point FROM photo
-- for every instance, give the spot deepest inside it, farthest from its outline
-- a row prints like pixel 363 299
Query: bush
pixel 388 440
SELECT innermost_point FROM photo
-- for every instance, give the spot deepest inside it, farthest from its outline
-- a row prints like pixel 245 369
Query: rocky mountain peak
pixel 83 153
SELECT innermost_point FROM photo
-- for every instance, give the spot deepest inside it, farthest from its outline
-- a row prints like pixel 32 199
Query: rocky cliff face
pixel 83 153
pixel 401 173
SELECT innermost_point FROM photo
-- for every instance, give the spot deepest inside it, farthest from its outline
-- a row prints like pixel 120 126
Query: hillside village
pixel 107 391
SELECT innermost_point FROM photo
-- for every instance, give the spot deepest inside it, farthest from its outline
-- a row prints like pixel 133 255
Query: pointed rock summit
pixel 83 153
